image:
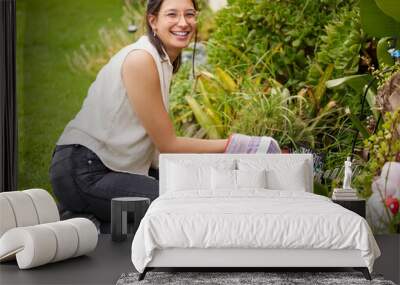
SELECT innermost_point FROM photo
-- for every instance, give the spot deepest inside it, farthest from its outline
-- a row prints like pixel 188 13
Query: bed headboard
pixel 282 163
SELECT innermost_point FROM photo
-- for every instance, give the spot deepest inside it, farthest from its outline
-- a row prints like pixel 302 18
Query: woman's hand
pixel 142 83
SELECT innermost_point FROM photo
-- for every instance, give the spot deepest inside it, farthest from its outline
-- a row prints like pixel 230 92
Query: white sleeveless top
pixel 107 123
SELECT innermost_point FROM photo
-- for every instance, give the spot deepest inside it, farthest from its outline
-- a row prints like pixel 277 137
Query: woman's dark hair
pixel 153 7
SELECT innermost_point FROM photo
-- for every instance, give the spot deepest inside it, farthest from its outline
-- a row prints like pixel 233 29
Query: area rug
pixel 253 278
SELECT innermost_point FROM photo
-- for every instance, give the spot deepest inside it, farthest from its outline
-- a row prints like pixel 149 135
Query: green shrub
pixel 340 46
pixel 247 29
pixel 383 147
pixel 180 113
pixel 221 103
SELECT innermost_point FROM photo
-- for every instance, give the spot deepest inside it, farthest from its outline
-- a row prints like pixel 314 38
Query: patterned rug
pixel 253 278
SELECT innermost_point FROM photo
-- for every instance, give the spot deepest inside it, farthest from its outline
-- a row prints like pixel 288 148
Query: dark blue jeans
pixel 83 184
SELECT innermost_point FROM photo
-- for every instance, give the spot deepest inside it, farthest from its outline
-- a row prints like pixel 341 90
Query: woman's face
pixel 175 24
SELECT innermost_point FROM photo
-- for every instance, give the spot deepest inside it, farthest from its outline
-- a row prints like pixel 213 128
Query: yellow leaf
pixel 203 118
pixel 226 80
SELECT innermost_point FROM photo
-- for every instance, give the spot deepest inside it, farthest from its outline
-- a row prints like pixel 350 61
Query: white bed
pixel 203 218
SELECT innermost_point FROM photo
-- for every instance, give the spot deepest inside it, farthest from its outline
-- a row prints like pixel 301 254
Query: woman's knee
pixel 117 184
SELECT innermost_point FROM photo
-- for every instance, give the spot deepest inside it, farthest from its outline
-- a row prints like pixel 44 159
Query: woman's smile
pixel 181 35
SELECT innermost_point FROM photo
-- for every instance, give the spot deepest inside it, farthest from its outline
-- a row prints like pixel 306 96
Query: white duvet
pixel 250 219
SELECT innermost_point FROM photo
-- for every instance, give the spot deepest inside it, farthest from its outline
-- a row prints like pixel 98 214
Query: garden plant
pixel 329 86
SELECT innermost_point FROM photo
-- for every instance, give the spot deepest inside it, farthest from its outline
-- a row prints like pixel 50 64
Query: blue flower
pixel 394 53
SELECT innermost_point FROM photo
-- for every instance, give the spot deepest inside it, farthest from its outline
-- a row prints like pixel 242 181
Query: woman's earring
pixel 154 33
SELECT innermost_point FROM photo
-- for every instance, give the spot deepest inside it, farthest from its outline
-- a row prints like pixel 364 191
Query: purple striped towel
pixel 238 143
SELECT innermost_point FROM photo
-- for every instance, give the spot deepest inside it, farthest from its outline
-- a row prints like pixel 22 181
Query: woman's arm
pixel 142 83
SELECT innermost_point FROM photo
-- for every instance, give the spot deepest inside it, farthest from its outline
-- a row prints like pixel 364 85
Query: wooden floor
pixel 102 266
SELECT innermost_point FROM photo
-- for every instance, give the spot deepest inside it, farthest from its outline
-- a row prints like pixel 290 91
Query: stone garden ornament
pixel 348 173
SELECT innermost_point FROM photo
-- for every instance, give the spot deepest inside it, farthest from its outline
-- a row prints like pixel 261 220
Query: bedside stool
pixel 357 206
pixel 119 215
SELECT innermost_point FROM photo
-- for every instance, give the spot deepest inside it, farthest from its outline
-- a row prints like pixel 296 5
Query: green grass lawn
pixel 49 94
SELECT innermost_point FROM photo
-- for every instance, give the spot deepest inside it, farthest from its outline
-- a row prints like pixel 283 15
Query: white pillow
pixel 236 179
pixel 223 179
pixel 288 173
pixel 251 178
pixel 291 180
pixel 182 177
pixel 190 175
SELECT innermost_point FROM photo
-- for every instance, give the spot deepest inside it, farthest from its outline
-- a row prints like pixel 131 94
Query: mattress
pixel 250 219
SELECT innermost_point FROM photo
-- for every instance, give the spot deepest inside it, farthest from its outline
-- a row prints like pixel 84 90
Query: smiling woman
pixel 110 149
pixel 166 26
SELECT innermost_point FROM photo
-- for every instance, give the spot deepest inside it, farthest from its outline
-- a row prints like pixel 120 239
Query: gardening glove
pixel 238 143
